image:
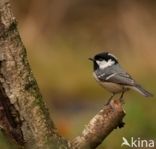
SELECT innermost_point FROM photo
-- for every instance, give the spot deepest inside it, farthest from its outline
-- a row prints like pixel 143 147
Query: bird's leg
pixel 121 97
pixel 110 98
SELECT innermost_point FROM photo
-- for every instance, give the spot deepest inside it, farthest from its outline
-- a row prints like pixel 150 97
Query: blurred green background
pixel 60 36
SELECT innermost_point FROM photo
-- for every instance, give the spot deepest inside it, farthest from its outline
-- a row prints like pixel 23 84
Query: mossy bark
pixel 25 117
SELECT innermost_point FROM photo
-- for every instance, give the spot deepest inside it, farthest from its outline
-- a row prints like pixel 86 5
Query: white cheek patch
pixel 103 64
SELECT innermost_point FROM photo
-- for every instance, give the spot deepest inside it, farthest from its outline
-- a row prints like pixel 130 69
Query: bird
pixel 109 74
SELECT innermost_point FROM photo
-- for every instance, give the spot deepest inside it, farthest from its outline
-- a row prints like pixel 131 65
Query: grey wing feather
pixel 121 78
pixel 117 75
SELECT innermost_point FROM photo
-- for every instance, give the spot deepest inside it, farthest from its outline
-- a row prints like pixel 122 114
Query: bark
pixel 23 115
pixel 100 126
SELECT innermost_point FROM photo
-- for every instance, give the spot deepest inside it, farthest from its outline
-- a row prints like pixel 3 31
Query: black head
pixel 103 57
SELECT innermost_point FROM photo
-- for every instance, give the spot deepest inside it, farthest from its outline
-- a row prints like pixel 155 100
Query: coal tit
pixel 109 74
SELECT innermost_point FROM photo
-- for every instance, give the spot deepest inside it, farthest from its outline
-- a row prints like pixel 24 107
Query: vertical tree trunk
pixel 24 115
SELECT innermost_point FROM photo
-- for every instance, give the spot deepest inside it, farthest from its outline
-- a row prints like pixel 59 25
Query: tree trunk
pixel 25 116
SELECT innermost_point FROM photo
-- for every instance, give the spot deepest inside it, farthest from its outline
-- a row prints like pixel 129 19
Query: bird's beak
pixel 91 59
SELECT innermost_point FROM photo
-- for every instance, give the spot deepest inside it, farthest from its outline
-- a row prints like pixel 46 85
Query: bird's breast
pixel 112 87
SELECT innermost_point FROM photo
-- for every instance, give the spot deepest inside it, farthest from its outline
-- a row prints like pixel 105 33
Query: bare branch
pixel 100 126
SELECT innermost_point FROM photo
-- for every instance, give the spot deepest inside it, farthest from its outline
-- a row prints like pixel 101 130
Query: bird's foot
pixel 121 98
pixel 109 100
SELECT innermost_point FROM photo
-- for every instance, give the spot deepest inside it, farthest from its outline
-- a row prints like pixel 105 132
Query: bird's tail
pixel 142 91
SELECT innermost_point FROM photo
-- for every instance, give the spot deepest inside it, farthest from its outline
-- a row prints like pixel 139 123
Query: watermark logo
pixel 125 142
pixel 138 143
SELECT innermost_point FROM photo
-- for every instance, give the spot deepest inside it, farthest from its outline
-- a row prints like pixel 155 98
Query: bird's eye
pixel 100 59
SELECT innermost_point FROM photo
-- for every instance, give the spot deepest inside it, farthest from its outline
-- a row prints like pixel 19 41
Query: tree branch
pixel 100 126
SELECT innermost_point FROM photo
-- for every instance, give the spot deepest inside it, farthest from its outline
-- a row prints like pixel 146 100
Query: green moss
pixel 5 143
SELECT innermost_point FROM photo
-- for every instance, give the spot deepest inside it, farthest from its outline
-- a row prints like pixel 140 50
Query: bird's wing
pixel 120 78
pixel 116 75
